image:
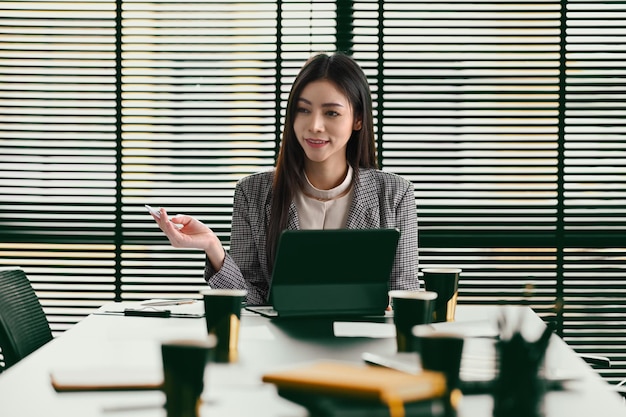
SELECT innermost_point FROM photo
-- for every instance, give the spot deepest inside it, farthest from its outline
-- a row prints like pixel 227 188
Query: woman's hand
pixel 192 234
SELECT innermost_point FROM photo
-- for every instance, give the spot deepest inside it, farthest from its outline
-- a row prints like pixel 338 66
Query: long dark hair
pixel 348 77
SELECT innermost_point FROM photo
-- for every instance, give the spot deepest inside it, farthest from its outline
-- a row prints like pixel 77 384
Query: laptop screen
pixel 333 272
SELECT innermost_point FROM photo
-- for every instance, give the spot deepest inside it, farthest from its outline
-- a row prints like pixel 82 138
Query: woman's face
pixel 324 122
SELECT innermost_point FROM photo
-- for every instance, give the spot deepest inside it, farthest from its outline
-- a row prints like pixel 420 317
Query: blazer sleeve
pixel 242 266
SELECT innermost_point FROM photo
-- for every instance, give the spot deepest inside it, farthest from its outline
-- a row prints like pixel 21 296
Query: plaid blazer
pixel 381 200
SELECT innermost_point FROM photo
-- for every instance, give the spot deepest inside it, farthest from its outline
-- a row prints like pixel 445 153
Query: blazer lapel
pixel 364 212
pixel 293 223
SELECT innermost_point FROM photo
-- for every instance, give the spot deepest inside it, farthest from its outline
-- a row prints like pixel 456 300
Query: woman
pixel 326 177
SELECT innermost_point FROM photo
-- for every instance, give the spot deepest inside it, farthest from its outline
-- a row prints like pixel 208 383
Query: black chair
pixel 24 327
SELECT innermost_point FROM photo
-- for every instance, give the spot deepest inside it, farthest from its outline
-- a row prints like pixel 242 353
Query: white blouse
pixel 325 209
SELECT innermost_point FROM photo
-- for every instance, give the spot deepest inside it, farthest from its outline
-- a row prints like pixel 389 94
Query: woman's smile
pixel 316 143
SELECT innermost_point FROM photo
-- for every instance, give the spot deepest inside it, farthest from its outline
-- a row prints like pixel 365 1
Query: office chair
pixel 23 324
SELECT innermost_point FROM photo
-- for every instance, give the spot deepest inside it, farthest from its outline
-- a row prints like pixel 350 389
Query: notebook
pixel 336 272
pixel 351 381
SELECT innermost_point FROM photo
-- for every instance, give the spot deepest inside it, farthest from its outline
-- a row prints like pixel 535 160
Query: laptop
pixel 333 272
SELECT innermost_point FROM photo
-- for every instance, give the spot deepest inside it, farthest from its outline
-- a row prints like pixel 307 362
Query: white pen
pixel 157 213
pixel 154 211
pixel 168 302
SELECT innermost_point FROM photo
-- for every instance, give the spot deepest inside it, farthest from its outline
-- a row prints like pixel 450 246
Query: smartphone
pixel 157 213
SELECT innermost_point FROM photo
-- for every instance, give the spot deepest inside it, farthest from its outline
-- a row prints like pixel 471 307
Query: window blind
pixel 594 180
pixel 203 84
pixel 468 110
pixel 107 106
pixel 198 113
pixel 58 151
pixel 506 117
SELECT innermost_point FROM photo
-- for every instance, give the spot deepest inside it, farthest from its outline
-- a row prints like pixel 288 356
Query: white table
pixel 132 344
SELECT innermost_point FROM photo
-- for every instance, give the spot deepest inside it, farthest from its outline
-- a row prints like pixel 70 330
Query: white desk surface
pixel 132 344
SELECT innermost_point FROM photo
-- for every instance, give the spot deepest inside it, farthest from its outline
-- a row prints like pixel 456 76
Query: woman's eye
pixel 332 113
pixel 302 110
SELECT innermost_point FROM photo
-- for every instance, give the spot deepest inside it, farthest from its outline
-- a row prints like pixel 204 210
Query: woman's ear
pixel 358 123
